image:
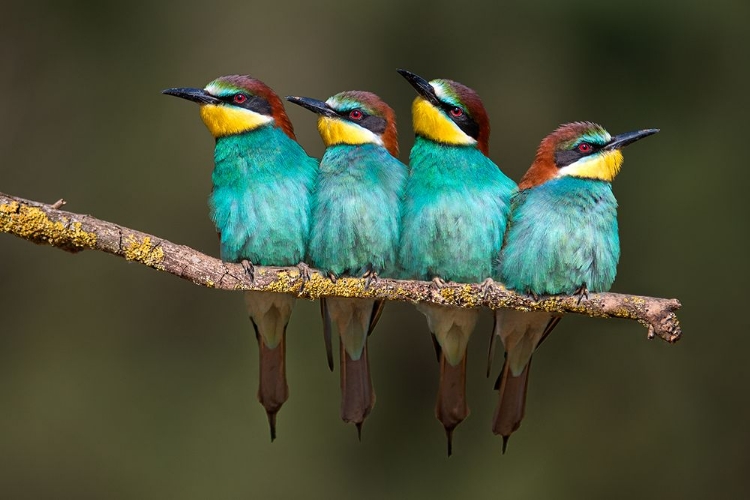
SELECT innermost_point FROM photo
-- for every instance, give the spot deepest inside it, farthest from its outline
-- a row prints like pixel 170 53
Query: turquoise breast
pixel 260 203
pixel 455 210
pixel 562 234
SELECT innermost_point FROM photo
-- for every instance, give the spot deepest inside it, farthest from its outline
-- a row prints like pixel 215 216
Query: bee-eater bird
pixel 454 216
pixel 260 205
pixel 562 239
pixel 355 226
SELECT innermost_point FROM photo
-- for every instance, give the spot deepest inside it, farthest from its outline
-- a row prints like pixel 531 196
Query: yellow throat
pixel 604 166
pixel 432 123
pixel 227 120
pixel 336 131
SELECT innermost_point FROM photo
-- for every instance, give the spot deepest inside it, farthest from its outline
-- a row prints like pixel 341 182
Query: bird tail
pixel 521 333
pixel 357 394
pixel 450 328
pixel 269 313
pixel 511 401
pixel 354 319
pixel 451 407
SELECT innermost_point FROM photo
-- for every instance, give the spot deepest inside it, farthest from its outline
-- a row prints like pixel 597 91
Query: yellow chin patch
pixel 335 131
pixel 603 166
pixel 226 120
pixel 431 123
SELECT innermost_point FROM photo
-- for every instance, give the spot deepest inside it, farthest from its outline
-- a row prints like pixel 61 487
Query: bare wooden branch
pixel 46 224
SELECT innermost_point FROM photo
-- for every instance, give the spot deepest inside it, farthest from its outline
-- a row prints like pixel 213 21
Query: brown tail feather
pixel 272 387
pixel 357 395
pixel 511 402
pixel 451 408
pixel 327 329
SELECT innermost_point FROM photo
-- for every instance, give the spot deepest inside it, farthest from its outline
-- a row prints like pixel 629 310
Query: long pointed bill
pixel 313 105
pixel 622 140
pixel 421 85
pixel 196 95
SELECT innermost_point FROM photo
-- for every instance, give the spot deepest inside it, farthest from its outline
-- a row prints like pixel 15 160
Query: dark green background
pixel 120 382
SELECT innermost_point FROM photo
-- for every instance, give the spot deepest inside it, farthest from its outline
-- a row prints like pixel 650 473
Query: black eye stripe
pixel 372 123
pixel 465 122
pixel 253 103
pixel 570 156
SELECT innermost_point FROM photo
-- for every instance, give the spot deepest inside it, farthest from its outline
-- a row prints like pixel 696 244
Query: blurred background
pixel 120 382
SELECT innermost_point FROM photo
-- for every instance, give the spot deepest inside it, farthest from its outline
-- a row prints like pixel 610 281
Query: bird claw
pixel 532 295
pixel 249 269
pixel 581 292
pixel 370 276
pixel 438 283
pixel 331 277
pixel 485 288
pixel 304 274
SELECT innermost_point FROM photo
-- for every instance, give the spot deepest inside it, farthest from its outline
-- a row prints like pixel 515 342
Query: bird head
pixel 448 112
pixel 353 117
pixel 236 104
pixel 580 149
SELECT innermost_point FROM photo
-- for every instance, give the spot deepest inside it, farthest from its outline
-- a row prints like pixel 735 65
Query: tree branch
pixel 47 225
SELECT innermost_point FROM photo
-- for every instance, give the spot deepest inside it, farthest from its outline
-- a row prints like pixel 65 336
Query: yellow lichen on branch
pixel 144 252
pixel 32 223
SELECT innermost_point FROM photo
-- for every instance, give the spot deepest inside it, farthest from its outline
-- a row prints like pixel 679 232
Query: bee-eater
pixel 454 216
pixel 355 226
pixel 562 239
pixel 260 205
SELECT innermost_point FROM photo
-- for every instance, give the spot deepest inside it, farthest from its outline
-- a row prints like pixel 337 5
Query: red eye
pixel 239 98
pixel 584 147
pixel 456 112
pixel 355 114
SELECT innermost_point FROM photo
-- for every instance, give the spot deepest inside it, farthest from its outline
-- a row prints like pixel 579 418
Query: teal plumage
pixel 562 239
pixel 454 218
pixel 262 183
pixel 571 225
pixel 357 210
pixel 260 204
pixel 355 229
pixel 455 212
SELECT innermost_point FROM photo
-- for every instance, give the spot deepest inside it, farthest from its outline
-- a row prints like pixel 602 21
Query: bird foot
pixel 485 288
pixel 304 274
pixel 438 283
pixel 581 292
pixel 532 295
pixel 249 270
pixel 370 276
pixel 331 277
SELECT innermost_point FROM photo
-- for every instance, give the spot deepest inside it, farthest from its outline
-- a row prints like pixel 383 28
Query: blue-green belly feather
pixel 562 234
pixel 455 213
pixel 260 204
pixel 356 210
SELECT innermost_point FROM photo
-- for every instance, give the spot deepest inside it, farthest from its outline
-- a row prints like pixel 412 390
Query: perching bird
pixel 454 216
pixel 562 238
pixel 260 205
pixel 355 226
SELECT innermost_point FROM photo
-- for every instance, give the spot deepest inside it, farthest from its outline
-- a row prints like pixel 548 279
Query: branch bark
pixel 48 225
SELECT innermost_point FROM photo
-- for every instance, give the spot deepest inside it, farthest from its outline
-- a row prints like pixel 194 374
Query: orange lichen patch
pixel 144 252
pixel 33 224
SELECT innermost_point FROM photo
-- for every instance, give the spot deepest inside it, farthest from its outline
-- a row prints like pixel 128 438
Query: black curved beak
pixel 196 95
pixel 622 140
pixel 421 85
pixel 313 105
